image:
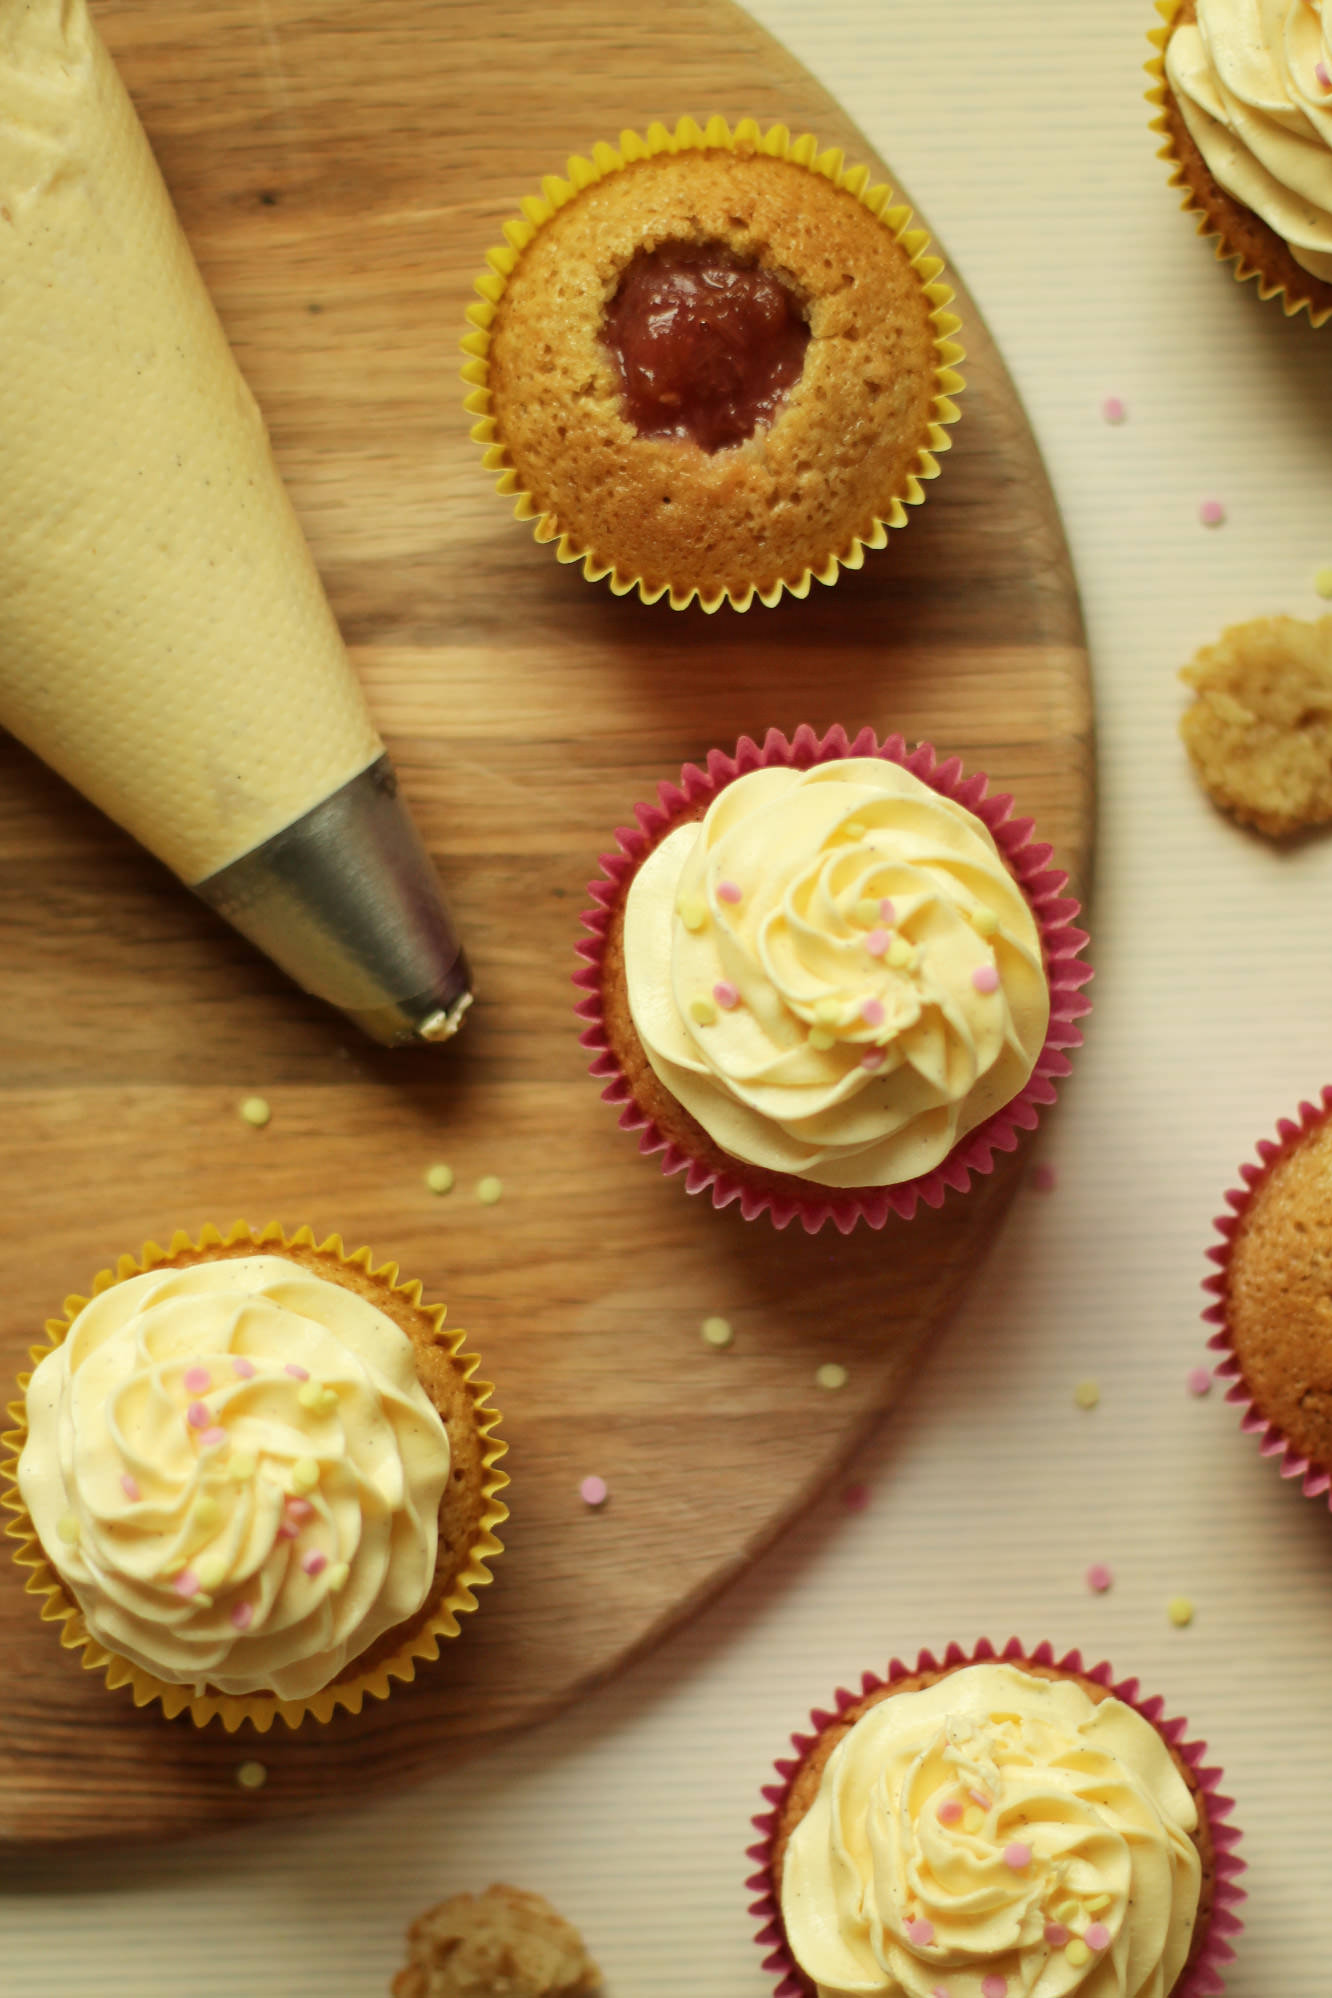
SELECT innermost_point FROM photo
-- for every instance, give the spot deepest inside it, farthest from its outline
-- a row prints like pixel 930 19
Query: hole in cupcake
pixel 706 345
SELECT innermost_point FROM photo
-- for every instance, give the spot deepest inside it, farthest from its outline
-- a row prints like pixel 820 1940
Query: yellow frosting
pixel 802 972
pixel 236 1474
pixel 1062 1862
pixel 1246 76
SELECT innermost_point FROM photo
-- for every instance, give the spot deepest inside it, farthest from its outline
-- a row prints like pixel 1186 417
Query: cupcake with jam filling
pixel 713 364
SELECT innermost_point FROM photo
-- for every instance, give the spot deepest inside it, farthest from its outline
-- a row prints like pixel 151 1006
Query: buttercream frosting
pixel 236 1473
pixel 1253 81
pixel 834 972
pixel 995 1830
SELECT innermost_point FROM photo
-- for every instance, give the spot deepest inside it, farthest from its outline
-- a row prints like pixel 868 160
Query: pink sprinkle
pixel 1042 1179
pixel 244 1368
pixel 979 1797
pixel 130 1487
pixel 727 892
pixel 1113 410
pixel 920 1932
pixel 287 1530
pixel 872 1012
pixel 994 1986
pixel 949 1811
pixel 299 1508
pixel 593 1491
pixel 1056 1934
pixel 213 1436
pixel 1321 72
pixel 242 1615
pixel 1096 1935
pixel 1099 1578
pixel 199 1415
pixel 940 1991
pixel 1017 1855
pixel 855 1498
pixel 198 1380
pixel 725 994
pixel 888 909
pixel 187 1583
pixel 872 1058
pixel 985 978
pixel 297 1373
pixel 877 942
pixel 1211 513
pixel 1200 1380
pixel 315 1564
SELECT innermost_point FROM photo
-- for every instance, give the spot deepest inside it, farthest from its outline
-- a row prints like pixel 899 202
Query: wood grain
pixel 341 172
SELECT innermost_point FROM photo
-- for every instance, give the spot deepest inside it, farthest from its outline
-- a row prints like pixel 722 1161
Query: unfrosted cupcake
pixel 1270 1296
pixel 255 1476
pixel 713 364
pixel 992 1824
pixel 829 978
pixel 1245 95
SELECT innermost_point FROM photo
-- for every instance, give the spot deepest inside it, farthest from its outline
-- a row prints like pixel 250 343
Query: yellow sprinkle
pixel 242 1466
pixel 439 1179
pixel 489 1189
pixel 827 1011
pixel 310 1394
pixel 201 1600
pixel 212 1571
pixel 1067 1912
pixel 328 1400
pixel 900 954
pixel 1180 1611
pixel 693 911
pixel 866 911
pixel 336 1576
pixel 831 1375
pixel 983 920
pixel 1098 1903
pixel 973 1818
pixel 1323 581
pixel 717 1331
pixel 1086 1394
pixel 853 829
pixel 1077 1952
pixel 67 1529
pixel 304 1475
pixel 702 1012
pixel 822 1038
pixel 207 1512
pixel 252 1775
pixel 254 1110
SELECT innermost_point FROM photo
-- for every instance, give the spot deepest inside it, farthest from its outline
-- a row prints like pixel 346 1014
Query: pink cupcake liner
pixel 1203 1978
pixel 1317 1478
pixel 1028 860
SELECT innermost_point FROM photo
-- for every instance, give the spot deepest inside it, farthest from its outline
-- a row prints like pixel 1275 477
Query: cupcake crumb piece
pixel 1200 1380
pixel 501 1944
pixel 439 1178
pixel 717 1332
pixel 1180 1611
pixel 1259 732
pixel 1099 1578
pixel 594 1491
pixel 251 1775
pixel 1086 1394
pixel 254 1110
pixel 831 1375
pixel 489 1189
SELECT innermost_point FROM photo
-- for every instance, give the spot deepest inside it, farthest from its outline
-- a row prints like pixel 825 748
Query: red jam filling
pixel 706 345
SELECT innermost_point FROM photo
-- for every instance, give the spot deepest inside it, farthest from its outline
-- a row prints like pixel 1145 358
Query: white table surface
pixel 1020 127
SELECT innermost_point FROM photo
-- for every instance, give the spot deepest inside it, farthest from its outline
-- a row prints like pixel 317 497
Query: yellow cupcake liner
pixel 1244 269
pixel 716 135
pixel 233 1710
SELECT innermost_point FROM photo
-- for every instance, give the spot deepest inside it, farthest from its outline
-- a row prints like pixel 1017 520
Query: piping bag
pixel 165 640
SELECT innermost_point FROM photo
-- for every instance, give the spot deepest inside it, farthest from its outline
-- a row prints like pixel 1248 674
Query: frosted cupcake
pixel 993 1825
pixel 829 978
pixel 255 1477
pixel 1245 95
pixel 713 364
pixel 1270 1294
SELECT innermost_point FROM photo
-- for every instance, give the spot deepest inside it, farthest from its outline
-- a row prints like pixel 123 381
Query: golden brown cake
pixel 501 1944
pixel 1259 732
pixel 255 1477
pixel 761 413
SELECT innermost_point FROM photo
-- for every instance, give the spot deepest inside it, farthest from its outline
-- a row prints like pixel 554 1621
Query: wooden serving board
pixel 341 171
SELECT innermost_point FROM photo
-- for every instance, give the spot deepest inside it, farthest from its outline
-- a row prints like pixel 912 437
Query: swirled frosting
pixel 834 972
pixel 1253 81
pixel 236 1473
pixel 995 1832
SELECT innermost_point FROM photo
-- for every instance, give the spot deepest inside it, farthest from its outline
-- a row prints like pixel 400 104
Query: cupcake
pixel 829 978
pixel 713 364
pixel 254 1477
pixel 1270 1294
pixel 1245 95
pixel 994 1825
